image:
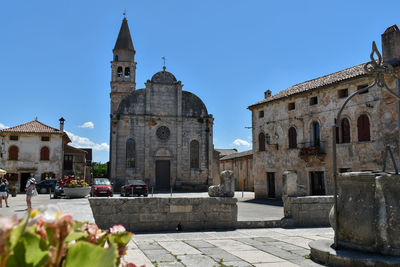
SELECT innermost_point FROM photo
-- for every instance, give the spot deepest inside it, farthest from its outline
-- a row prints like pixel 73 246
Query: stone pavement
pixel 242 247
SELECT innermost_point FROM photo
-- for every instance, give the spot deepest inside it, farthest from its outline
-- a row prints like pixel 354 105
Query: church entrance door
pixel 163 174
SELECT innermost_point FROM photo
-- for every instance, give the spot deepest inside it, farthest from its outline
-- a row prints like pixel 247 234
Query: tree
pixel 99 170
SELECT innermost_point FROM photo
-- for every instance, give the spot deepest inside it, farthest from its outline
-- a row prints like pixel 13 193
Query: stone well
pixel 369 212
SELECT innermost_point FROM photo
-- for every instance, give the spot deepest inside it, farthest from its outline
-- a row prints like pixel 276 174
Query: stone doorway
pixel 24 178
pixel 163 174
pixel 271 184
pixel 317 183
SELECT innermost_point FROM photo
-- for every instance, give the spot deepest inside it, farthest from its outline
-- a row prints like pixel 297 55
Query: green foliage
pixel 87 254
pixel 99 170
pixel 49 238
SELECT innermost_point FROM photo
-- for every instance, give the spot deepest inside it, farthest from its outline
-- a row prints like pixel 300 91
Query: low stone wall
pixel 307 211
pixel 164 214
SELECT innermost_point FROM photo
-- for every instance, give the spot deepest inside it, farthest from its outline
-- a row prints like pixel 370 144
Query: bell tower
pixel 123 67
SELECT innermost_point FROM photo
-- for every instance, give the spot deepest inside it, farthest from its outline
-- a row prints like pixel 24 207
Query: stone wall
pixel 307 211
pixel 164 214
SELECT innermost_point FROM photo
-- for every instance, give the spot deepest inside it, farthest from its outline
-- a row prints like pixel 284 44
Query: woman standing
pixel 30 189
pixel 3 192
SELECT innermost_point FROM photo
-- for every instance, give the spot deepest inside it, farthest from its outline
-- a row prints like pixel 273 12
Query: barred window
pixel 194 154
pixel 130 153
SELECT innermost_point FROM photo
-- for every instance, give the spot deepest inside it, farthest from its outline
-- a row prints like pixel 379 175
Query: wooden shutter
pixel 363 128
pixel 13 153
pixel 345 131
pixel 44 153
pixel 261 142
pixel 292 137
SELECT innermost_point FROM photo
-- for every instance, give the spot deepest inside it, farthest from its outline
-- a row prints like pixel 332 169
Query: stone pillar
pixel 289 184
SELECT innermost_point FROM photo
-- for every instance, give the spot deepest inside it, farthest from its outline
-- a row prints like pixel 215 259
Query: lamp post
pixel 62 120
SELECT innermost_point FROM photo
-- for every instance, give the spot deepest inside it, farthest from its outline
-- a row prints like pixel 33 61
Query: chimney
pixel 391 45
pixel 62 124
pixel 267 93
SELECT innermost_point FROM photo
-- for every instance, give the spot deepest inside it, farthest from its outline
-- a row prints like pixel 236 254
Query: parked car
pixel 135 187
pixel 101 187
pixel 59 189
pixel 44 187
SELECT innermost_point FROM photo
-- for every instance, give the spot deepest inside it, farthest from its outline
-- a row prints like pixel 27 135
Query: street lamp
pixel 62 120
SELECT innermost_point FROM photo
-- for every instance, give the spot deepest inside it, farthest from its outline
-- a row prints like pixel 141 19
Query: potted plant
pixel 77 188
pixel 13 191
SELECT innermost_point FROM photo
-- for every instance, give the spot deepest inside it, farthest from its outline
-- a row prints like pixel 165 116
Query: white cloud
pixel 84 142
pixel 240 142
pixel 87 124
pixel 2 126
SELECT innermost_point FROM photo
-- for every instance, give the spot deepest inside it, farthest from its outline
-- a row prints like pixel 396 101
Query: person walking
pixel 3 192
pixel 30 191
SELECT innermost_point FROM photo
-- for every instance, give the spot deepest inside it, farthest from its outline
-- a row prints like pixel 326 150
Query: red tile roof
pixel 34 126
pixel 349 73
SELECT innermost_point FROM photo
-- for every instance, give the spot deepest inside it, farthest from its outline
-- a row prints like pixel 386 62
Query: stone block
pixel 180 208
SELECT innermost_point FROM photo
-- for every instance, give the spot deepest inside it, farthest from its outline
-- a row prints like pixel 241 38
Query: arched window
pixel 116 58
pixel 194 154
pixel 13 153
pixel 127 72
pixel 315 138
pixel 363 128
pixel 44 153
pixel 345 130
pixel 292 137
pixel 261 142
pixel 119 71
pixel 130 153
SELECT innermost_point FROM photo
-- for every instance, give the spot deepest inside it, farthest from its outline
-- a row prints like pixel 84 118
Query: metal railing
pixel 317 148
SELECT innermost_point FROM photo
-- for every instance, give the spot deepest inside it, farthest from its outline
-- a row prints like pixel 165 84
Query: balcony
pixel 309 149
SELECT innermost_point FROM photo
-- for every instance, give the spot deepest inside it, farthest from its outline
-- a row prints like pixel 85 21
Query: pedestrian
pixel 3 192
pixel 30 191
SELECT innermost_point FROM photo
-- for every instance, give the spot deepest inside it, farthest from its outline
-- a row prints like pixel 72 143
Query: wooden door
pixel 163 174
pixel 271 184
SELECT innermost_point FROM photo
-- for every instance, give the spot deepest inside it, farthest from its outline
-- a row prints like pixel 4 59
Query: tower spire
pixel 124 40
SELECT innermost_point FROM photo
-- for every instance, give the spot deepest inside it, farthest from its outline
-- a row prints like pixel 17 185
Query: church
pixel 160 134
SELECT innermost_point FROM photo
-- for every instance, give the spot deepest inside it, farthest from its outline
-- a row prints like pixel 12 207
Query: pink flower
pixel 117 229
pixel 40 230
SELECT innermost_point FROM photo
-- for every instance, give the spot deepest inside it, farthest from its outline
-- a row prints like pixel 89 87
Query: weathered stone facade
pixel 160 134
pixel 23 152
pixel 292 130
pixel 241 163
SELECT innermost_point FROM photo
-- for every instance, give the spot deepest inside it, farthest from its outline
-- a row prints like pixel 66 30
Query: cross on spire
pixel 164 67
pixel 124 13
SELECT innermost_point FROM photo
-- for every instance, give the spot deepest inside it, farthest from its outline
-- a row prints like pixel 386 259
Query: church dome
pixel 164 77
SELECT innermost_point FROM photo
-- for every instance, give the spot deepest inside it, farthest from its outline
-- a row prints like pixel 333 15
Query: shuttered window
pixel 13 153
pixel 44 153
pixel 363 128
pixel 261 142
pixel 345 126
pixel 292 137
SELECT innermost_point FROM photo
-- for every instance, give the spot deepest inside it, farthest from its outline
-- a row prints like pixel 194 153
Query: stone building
pixel 77 162
pixel 292 130
pixel 35 149
pixel 160 134
pixel 241 163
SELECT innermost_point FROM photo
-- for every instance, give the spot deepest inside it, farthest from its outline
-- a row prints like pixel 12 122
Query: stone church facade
pixel 160 134
pixel 292 130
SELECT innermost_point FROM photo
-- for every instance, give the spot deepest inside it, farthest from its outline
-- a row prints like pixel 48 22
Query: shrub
pixel 49 238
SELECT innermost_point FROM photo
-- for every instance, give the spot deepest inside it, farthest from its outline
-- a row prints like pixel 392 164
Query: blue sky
pixel 55 55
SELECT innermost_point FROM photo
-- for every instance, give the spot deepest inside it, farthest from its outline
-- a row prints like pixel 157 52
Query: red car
pixel 101 187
